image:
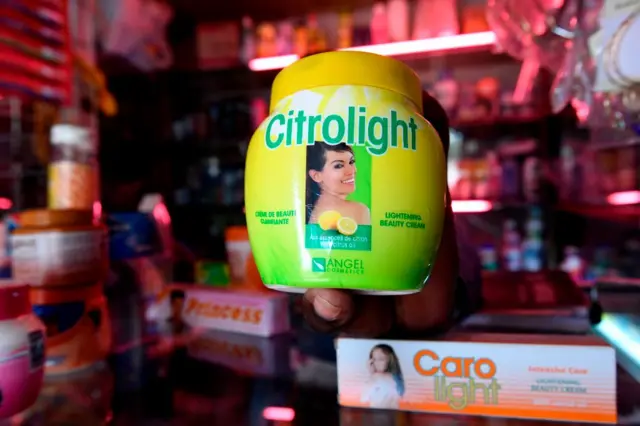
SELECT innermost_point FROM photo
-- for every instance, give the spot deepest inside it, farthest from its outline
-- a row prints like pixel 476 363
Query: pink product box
pixel 260 314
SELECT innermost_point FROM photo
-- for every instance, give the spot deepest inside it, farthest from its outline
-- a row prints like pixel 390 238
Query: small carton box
pixel 257 313
pixel 566 378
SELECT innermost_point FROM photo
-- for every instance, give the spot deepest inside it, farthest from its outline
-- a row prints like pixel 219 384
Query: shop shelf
pixel 622 213
pixel 491 205
pixel 411 48
pixel 612 212
pixel 492 121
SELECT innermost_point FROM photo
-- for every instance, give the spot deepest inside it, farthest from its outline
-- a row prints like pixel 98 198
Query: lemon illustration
pixel 347 226
pixel 329 220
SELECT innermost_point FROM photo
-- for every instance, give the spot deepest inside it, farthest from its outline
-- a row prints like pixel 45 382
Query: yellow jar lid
pixel 347 68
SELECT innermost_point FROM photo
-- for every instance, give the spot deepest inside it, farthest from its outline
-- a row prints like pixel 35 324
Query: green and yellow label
pixel 345 188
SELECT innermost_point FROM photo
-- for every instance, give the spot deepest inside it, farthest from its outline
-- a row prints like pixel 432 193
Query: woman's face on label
pixel 380 361
pixel 338 176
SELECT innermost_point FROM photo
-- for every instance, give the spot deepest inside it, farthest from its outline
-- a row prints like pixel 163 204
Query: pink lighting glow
pixel 624 198
pixel 97 211
pixel 5 203
pixel 429 45
pixel 272 63
pixel 161 214
pixel 471 206
pixel 279 414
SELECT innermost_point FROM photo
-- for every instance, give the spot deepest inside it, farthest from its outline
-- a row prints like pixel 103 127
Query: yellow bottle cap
pixel 347 68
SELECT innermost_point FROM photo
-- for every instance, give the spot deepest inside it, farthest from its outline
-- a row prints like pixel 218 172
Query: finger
pixel 373 317
pixel 330 310
pixel 327 309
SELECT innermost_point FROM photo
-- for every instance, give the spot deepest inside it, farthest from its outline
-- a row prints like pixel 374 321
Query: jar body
pixel 238 252
pixel 22 356
pixel 59 256
pixel 79 331
pixel 73 171
pixel 345 188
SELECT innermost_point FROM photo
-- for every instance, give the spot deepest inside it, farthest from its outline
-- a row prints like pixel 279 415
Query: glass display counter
pixel 181 378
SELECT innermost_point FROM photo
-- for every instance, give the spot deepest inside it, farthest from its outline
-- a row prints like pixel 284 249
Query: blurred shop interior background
pixel 140 112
